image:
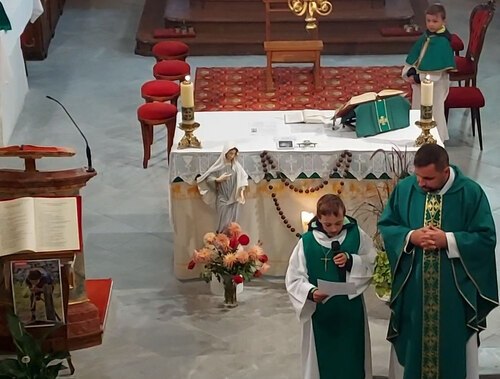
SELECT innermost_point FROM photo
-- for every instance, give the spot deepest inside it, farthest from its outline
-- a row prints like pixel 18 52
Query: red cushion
pixel 456 43
pixel 464 66
pixel 170 49
pixel 156 111
pixel 464 97
pixel 171 68
pixel 160 88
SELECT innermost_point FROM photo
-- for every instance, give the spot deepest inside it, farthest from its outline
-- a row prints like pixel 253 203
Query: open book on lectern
pixel 40 224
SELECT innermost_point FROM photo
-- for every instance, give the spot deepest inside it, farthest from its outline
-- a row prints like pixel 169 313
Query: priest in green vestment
pixel 432 56
pixel 440 238
pixel 335 335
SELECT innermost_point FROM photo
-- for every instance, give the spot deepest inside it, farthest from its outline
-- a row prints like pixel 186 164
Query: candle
pixel 426 91
pixel 305 217
pixel 187 93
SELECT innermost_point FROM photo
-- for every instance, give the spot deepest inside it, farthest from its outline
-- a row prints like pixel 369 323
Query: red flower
pixel 244 239
pixel 237 279
pixel 263 258
pixel 233 242
pixel 257 274
pixel 191 265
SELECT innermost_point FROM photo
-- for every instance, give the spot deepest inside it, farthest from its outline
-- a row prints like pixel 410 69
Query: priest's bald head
pixel 432 167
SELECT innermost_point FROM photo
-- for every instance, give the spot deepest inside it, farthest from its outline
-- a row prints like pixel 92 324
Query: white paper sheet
pixel 336 288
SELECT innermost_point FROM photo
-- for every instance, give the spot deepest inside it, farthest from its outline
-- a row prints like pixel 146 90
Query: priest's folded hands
pixel 429 238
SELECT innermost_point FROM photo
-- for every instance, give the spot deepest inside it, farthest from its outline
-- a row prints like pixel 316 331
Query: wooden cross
pixel 325 259
pixel 382 120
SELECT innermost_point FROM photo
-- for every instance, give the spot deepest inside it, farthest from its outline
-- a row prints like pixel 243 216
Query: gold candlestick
pixel 426 123
pixel 188 125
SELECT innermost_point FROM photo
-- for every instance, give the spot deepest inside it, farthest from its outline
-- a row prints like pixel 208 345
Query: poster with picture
pixel 37 292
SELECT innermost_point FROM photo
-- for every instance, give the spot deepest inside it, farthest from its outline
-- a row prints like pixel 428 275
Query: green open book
pixel 374 113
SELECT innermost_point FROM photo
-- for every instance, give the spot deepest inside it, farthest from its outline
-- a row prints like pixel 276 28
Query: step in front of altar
pixel 224 28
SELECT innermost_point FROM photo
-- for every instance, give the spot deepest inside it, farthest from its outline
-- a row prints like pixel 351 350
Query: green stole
pixel 431 285
pixel 4 20
pixel 339 324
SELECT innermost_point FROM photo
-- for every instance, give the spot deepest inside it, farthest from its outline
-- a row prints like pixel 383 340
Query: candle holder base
pixel 189 139
pixel 425 137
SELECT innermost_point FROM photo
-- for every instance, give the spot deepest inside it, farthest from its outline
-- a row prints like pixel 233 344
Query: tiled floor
pixel 159 327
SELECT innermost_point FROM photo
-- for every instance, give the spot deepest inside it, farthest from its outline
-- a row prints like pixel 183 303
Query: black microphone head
pixel 335 245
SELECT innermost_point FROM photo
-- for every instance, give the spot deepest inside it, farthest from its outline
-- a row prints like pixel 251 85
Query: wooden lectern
pixel 84 328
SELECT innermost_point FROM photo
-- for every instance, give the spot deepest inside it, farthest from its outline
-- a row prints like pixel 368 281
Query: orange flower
pixel 209 238
pixel 203 255
pixel 265 267
pixel 222 242
pixel 234 229
pixel 230 260
pixel 254 252
pixel 242 256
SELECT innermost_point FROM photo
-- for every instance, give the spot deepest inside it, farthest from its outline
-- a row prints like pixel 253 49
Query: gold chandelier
pixel 310 8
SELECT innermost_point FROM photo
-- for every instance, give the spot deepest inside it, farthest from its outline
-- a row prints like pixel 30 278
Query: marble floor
pixel 159 327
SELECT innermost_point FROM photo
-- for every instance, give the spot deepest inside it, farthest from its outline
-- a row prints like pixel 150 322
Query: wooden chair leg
pixel 146 144
pixel 170 136
pixel 473 121
pixel 316 72
pixel 479 131
pixel 269 74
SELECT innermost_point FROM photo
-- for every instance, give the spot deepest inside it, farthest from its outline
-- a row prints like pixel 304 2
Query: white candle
pixel 426 91
pixel 187 93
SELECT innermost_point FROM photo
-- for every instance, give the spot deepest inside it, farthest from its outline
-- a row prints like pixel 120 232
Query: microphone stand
pixel 87 147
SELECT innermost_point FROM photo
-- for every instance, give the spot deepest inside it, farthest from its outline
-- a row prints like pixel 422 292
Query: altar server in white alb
pixel 223 186
pixel 335 334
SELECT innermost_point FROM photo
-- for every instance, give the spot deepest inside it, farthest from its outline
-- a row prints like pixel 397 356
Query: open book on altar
pixel 40 224
pixel 308 116
pixel 365 98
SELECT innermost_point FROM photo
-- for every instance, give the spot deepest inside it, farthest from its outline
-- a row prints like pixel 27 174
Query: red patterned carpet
pixel 243 88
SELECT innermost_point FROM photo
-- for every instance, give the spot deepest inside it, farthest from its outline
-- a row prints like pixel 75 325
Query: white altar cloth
pixel 192 218
pixel 13 81
pixel 254 132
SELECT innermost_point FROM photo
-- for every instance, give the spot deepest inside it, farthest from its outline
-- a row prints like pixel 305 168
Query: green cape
pixel 437 53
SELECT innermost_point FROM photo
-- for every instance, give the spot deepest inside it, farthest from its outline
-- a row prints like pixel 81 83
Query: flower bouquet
pixel 227 257
pixel 382 276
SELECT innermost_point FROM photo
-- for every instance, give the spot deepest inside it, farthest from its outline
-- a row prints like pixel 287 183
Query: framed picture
pixel 37 292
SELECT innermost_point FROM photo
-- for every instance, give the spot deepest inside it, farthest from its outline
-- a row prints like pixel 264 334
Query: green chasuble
pixel 437 302
pixel 338 324
pixel 4 20
pixel 432 52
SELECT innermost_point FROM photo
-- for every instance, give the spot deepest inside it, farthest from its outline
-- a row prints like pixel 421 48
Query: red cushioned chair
pixel 467 97
pixel 160 90
pixel 150 115
pixel 168 50
pixel 457 44
pixel 171 70
pixel 480 19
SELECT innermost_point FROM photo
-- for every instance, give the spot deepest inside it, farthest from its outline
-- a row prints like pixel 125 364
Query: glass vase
pixel 230 299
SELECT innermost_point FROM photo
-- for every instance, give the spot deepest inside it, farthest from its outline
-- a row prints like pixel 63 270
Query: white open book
pixel 308 116
pixel 40 224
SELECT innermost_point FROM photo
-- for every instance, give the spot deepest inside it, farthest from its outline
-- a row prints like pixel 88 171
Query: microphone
pixel 336 251
pixel 87 149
